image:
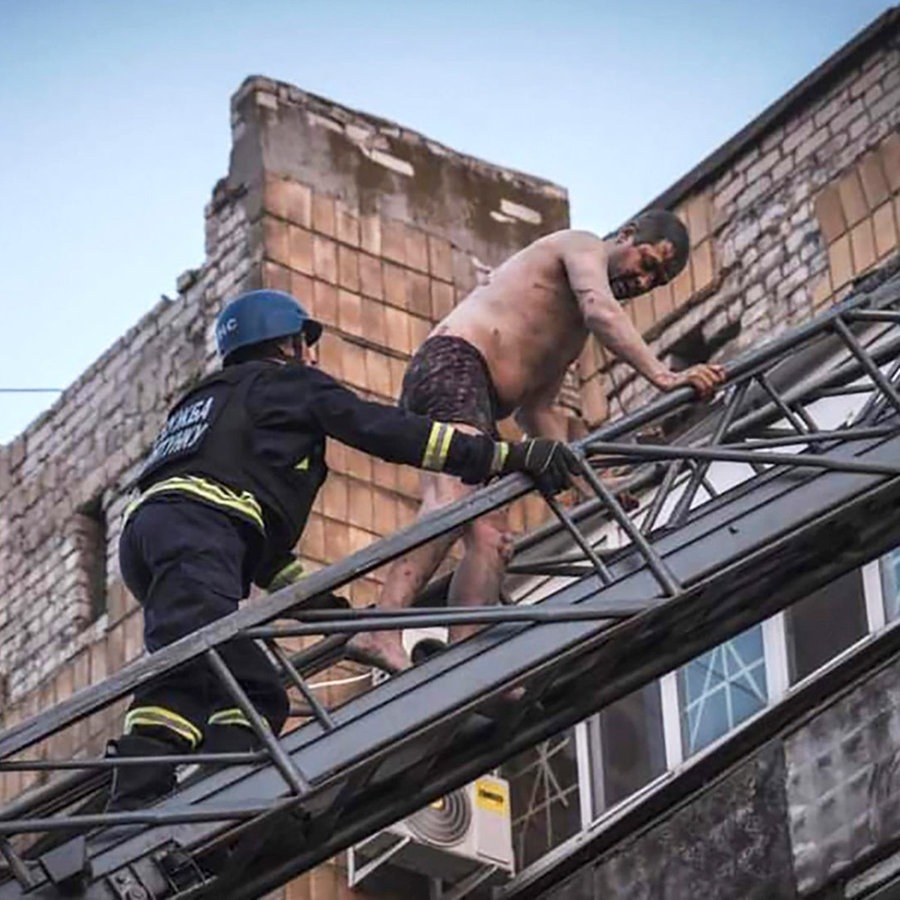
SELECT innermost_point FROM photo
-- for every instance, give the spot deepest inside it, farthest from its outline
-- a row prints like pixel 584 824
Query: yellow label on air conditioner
pixel 491 795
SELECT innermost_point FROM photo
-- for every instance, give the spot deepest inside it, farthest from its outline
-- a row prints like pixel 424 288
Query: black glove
pixel 549 463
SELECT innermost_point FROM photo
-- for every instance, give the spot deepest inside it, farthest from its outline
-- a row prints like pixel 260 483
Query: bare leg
pixel 477 579
pixel 409 574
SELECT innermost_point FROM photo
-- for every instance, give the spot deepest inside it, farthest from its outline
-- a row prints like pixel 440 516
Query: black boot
pixel 230 739
pixel 135 787
pixel 224 739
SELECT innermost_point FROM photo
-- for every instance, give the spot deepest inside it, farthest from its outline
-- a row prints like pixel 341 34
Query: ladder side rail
pixel 370 728
pixel 643 546
pixel 327 760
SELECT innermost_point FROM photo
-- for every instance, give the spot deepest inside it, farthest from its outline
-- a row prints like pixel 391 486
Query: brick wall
pixel 64 478
pixel 807 205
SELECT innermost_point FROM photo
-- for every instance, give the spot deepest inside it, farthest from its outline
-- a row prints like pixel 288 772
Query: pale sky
pixel 114 122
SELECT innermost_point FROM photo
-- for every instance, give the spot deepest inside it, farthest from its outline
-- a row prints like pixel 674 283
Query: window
pixel 638 738
pixel 824 623
pixel 544 796
pixel 721 688
pixel 627 747
pixel 90 536
pixel 890 584
pixel 691 349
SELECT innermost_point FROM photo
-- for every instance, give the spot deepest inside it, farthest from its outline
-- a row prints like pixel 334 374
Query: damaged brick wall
pixel 380 247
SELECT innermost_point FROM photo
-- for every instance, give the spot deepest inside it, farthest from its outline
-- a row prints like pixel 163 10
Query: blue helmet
pixel 262 316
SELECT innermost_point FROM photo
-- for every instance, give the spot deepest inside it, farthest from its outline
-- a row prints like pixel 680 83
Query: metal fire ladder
pixel 695 567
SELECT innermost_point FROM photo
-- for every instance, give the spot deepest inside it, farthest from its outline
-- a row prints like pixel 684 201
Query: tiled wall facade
pixel 379 282
pixel 378 286
pixel 859 215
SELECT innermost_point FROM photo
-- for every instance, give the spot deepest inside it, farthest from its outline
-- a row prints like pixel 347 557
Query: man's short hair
pixel 657 225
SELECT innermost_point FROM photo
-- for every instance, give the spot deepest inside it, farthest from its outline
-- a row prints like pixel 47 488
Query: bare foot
pixel 379 649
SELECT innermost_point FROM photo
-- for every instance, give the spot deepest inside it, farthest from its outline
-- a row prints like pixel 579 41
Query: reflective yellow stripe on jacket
pixel 501 451
pixel 438 446
pixel 288 574
pixel 243 503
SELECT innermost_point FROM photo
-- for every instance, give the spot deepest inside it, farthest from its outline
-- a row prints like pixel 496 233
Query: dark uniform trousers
pixel 185 562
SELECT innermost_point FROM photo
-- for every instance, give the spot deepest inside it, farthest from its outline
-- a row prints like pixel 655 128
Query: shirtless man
pixel 505 349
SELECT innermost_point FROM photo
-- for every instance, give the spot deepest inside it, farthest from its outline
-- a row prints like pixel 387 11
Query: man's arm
pixel 585 262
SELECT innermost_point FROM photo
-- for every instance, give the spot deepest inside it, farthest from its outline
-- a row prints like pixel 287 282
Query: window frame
pixel 778 687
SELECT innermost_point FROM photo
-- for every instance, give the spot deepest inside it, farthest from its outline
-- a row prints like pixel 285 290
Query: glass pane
pixel 890 584
pixel 631 746
pixel 544 797
pixel 746 703
pixel 824 623
pixel 720 689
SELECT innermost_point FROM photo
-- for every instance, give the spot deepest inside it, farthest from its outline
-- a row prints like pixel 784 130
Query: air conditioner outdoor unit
pixel 468 829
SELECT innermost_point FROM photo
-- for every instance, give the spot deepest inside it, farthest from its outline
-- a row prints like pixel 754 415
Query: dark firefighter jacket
pixel 250 440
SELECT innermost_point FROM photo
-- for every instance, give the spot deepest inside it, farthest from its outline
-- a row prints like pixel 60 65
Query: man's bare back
pixel 526 321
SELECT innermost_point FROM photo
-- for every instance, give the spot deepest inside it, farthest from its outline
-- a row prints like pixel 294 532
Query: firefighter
pixel 224 496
